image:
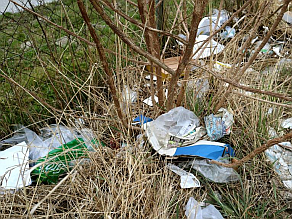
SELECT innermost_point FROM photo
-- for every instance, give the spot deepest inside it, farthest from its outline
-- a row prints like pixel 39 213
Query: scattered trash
pixel 277 49
pixel 214 172
pixel 207 23
pixel 148 77
pixel 129 96
pixel 14 164
pixel 280 156
pixel 171 62
pixel 287 123
pixel 287 17
pixel 59 161
pixel 209 48
pixel 139 120
pixel 220 124
pixel 149 102
pixel 266 50
pixel 194 210
pixel 228 33
pixel 187 180
pixel 221 66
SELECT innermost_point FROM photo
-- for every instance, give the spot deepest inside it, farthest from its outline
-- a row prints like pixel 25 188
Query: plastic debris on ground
pixel 187 180
pixel 129 96
pixel 139 120
pixel 59 161
pixel 51 137
pixel 280 156
pixel 149 101
pixel 214 172
pixel 287 123
pixel 14 164
pixel 220 124
pixel 287 17
pixel 208 23
pixel 228 33
pixel 176 133
pixel 195 210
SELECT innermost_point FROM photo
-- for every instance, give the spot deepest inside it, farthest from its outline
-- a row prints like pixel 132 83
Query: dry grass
pixel 133 181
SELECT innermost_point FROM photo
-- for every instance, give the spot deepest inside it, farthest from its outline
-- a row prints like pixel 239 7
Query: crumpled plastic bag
pixel 193 210
pixel 177 122
pixel 214 172
pixel 51 137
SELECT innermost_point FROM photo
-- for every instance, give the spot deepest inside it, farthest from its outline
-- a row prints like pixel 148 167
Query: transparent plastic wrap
pixel 215 172
pixel 193 210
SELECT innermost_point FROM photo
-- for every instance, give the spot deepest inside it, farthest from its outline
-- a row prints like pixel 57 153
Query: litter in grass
pixel 14 163
pixel 196 210
pixel 220 124
pixel 187 180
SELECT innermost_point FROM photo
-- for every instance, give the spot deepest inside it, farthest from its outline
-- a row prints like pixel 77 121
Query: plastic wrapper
pixel 188 180
pixel 194 210
pixel 281 157
pixel 177 122
pixel 59 161
pixel 219 125
pixel 215 172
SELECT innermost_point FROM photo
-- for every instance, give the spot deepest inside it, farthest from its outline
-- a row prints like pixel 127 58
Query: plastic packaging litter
pixel 139 120
pixel 193 210
pixel 14 164
pixel 220 124
pixel 50 138
pixel 281 156
pixel 59 161
pixel 204 25
pixel 214 172
pixel 129 96
pixel 149 102
pixel 287 17
pixel 221 66
pixel 177 122
pixel 209 48
pixel 287 123
pixel 187 180
pixel 228 33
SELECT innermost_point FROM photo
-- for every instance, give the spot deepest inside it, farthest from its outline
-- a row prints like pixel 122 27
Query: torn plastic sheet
pixel 50 138
pixel 209 48
pixel 208 23
pixel 287 123
pixel 281 157
pixel 194 210
pixel 220 124
pixel 149 102
pixel 14 164
pixel 187 180
pixel 287 17
pixel 214 172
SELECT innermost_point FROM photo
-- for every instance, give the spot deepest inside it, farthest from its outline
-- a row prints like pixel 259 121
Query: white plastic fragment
pixel 280 156
pixel 287 17
pixel 149 102
pixel 209 48
pixel 287 123
pixel 228 33
pixel 214 172
pixel 187 180
pixel 129 96
pixel 14 163
pixel 193 210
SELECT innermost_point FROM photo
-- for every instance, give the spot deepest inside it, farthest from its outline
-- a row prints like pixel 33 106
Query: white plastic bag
pixel 193 210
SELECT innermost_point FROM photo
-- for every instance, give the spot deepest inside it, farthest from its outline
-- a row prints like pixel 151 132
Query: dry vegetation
pixel 114 40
